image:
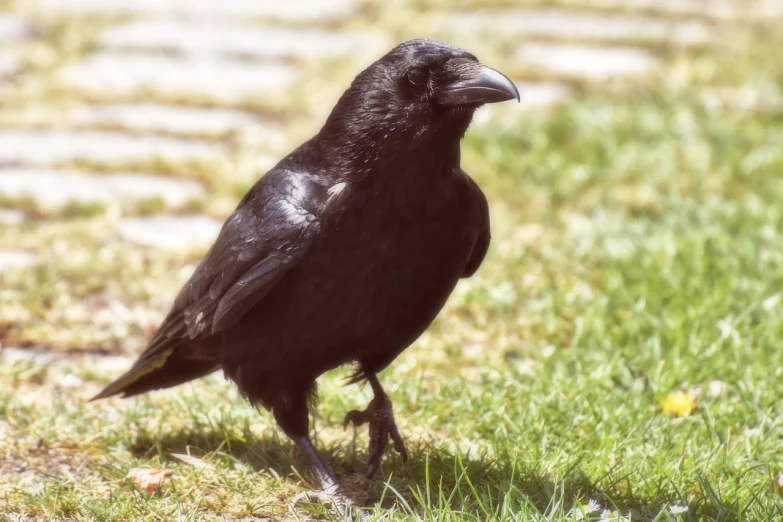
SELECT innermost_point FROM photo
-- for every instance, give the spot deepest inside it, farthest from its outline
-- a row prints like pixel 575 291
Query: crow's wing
pixel 479 218
pixel 268 233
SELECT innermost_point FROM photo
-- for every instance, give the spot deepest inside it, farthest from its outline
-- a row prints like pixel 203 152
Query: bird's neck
pixel 357 155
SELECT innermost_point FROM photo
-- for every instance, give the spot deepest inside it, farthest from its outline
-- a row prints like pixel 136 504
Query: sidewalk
pixel 128 130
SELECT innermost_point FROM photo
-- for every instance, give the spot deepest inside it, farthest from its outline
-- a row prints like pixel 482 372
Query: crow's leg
pixel 382 426
pixel 331 491
pixel 291 413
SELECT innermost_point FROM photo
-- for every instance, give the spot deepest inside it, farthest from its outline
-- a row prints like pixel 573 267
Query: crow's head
pixel 420 88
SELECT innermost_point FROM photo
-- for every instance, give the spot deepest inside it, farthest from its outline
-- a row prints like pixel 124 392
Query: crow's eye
pixel 417 76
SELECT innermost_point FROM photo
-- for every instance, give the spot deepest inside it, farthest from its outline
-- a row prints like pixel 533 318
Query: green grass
pixel 637 252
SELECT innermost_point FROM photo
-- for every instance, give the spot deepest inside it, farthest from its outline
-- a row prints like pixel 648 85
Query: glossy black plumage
pixel 346 250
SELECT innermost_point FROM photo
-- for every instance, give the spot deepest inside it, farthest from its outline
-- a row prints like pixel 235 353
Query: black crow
pixel 344 252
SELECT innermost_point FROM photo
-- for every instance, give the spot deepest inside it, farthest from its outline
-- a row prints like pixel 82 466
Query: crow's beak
pixel 488 86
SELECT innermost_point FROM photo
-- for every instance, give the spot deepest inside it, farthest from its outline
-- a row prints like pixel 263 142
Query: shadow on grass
pixel 437 480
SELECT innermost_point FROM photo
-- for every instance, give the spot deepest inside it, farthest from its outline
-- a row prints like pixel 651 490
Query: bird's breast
pixel 389 260
pixel 373 280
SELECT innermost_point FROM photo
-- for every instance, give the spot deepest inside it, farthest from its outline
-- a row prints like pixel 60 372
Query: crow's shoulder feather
pixel 269 232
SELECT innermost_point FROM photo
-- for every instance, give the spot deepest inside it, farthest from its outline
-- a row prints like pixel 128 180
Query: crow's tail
pixel 163 366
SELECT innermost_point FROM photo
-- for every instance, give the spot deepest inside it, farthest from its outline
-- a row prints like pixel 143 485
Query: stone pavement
pixel 114 103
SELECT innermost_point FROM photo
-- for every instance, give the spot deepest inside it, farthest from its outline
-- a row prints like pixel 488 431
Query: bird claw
pixel 380 416
pixel 357 417
pixel 341 504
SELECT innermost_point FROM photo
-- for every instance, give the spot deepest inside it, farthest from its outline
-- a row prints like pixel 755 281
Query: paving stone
pixel 535 95
pixel 721 9
pixel 588 62
pixel 226 80
pixel 48 146
pixel 10 216
pixel 12 355
pixel 312 10
pixel 531 96
pixel 14 28
pixel 40 356
pixel 55 188
pixel 718 9
pixel 553 23
pixel 166 118
pixel 15 259
pixel 171 232
pixel 9 64
pixel 221 37
pixel 771 8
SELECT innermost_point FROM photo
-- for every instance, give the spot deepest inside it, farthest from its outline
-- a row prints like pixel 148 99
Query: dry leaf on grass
pixel 777 483
pixel 189 459
pixel 147 479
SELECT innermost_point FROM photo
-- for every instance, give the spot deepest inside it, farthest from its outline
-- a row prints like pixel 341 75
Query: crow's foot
pixel 380 416
pixel 331 494
pixel 334 497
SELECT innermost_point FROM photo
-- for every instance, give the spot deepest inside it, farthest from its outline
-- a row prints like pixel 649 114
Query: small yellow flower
pixel 679 404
